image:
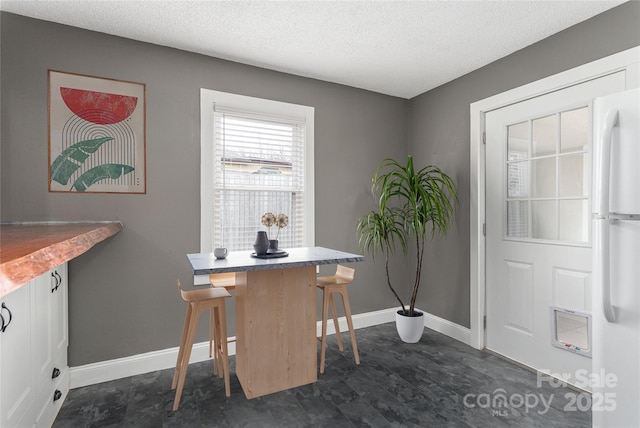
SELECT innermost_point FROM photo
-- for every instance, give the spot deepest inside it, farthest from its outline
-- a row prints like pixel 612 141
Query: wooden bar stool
pixel 331 285
pixel 199 301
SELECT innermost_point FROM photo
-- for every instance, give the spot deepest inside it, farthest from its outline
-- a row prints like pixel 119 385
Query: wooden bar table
pixel 275 314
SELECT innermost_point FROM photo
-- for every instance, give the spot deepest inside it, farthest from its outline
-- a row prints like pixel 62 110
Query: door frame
pixel 627 61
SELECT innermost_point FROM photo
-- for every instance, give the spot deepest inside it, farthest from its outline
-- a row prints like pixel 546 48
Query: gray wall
pixel 438 133
pixel 123 299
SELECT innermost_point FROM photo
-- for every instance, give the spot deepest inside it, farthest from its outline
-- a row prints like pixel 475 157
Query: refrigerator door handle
pixel 603 166
pixel 603 267
pixel 625 217
pixel 602 169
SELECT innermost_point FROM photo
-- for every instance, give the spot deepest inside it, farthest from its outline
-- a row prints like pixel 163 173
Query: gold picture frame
pixel 97 134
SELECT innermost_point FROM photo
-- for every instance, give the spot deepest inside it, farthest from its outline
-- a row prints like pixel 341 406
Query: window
pixel 548 178
pixel 256 157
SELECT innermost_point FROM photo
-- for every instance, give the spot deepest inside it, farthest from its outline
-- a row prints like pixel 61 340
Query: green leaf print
pixel 64 166
pixel 101 172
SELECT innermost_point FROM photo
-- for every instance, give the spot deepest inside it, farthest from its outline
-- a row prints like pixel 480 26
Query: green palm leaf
pixel 101 172
pixel 64 166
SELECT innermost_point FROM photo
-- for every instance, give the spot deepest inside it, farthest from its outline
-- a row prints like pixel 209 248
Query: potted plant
pixel 411 206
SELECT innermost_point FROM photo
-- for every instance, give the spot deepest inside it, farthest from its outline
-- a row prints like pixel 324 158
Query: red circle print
pixel 99 107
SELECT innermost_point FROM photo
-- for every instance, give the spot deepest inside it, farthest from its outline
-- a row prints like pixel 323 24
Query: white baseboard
pixel 105 371
pixel 448 328
pixel 363 320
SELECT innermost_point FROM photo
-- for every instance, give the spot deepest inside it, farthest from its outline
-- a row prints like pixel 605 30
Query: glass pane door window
pixel 548 178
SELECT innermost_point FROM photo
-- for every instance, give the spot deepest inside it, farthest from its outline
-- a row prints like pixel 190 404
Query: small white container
pixel 220 252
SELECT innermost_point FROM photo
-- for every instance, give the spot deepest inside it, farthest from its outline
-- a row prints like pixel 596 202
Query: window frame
pixel 208 98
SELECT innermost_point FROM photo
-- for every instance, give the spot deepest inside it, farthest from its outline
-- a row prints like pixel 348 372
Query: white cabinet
pixel 34 375
pixel 51 339
pixel 17 391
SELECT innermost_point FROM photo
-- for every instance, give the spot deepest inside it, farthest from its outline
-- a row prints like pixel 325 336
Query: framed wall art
pixel 96 134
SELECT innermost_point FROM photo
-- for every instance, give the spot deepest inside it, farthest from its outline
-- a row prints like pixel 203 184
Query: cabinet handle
pixel 56 395
pixel 59 281
pixel 53 277
pixel 56 373
pixel 4 326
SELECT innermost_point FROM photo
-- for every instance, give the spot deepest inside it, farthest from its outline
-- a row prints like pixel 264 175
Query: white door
pixel 538 234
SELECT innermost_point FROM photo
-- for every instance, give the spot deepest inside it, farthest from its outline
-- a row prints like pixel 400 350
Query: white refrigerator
pixel 615 378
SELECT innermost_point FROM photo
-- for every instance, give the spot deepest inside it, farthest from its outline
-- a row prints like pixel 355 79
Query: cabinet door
pixel 17 390
pixel 60 336
pixel 41 331
pixel 32 346
pixel 53 376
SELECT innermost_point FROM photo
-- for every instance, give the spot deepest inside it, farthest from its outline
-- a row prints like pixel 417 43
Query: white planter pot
pixel 410 329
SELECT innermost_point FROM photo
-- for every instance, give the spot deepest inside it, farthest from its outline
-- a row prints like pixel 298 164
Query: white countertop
pixel 240 261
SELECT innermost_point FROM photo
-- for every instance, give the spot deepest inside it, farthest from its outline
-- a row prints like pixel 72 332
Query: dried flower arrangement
pixel 270 219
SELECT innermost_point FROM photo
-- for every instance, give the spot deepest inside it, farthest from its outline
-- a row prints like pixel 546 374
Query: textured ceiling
pixel 400 48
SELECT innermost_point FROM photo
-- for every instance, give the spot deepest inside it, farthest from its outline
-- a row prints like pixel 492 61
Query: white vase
pixel 410 329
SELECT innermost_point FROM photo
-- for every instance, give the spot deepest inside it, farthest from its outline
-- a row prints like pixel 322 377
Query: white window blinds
pixel 259 167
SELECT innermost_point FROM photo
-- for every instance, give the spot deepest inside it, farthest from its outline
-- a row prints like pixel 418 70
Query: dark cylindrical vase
pixel 273 246
pixel 262 243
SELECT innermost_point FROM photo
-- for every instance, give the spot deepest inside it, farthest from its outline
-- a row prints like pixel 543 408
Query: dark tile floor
pixel 438 382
